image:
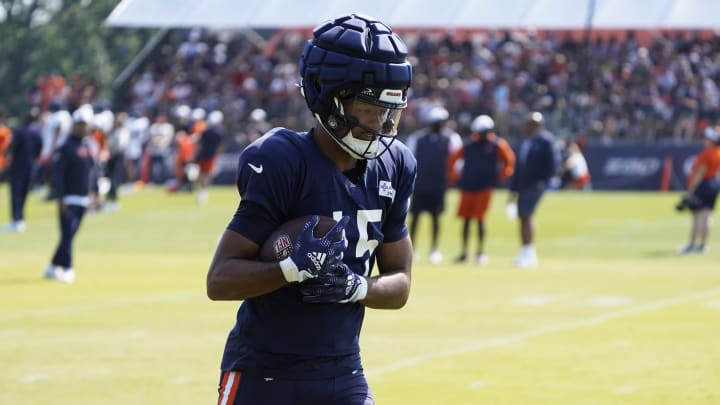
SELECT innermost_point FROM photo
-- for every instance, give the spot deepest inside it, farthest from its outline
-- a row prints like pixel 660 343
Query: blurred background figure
pixel 432 147
pixel 5 139
pixel 73 167
pixel 208 146
pixel 56 129
pixel 537 163
pixel 159 150
pixel 487 160
pixel 702 190
pixel 574 172
pixel 24 150
pixel 115 168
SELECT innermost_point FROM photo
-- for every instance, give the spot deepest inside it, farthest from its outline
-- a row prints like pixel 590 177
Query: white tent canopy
pixel 451 14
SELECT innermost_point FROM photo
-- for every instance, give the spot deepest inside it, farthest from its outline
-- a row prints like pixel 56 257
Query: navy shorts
pixel 528 200
pixel 237 388
pixel 432 202
pixel 706 192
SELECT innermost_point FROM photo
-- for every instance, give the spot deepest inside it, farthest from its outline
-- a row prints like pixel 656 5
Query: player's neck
pixel 330 148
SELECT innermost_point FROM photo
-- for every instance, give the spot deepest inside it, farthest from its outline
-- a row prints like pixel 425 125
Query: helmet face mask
pixel 355 78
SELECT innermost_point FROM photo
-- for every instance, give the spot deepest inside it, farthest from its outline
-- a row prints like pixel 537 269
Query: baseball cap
pixel 84 113
pixel 482 123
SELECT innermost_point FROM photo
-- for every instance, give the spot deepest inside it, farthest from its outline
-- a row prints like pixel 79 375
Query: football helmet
pixel 356 57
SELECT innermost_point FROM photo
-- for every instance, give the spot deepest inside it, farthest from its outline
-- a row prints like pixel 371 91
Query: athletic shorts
pixel 432 202
pixel 207 165
pixel 474 204
pixel 528 200
pixel 237 388
pixel 706 192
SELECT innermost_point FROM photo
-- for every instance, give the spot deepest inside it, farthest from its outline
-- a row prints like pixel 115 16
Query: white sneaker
pixel 526 260
pixel 68 276
pixel 481 259
pixel 202 197
pixel 436 257
pixel 19 226
pixel 52 272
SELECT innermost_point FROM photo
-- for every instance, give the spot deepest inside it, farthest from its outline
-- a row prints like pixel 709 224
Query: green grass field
pixel 610 316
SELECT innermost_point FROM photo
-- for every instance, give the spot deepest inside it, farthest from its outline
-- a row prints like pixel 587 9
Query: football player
pixel 488 161
pixel 297 331
pixel 702 192
pixel 537 162
pixel 432 146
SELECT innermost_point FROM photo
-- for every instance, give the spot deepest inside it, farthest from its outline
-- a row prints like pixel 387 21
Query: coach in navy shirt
pixel 24 150
pixel 537 163
pixel 72 172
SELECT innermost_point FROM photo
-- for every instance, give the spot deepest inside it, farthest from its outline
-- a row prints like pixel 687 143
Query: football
pixel 280 243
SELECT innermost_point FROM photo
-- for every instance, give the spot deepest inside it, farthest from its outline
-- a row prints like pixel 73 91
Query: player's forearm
pixel 235 279
pixel 388 291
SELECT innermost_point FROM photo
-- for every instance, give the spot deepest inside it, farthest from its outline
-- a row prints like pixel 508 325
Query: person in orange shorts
pixel 702 191
pixel 488 160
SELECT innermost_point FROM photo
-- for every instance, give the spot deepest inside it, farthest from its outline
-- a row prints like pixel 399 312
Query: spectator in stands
pixel 487 161
pixel 24 150
pixel 702 191
pixel 432 147
pixel 537 163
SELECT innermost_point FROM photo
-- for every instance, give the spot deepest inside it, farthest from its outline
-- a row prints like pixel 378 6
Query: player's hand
pixel 340 285
pixel 313 256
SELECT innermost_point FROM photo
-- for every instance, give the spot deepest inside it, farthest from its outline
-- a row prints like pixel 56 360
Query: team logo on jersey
pixel 282 247
pixel 387 190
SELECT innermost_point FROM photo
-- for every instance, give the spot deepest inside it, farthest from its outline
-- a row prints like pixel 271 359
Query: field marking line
pixel 99 305
pixel 545 330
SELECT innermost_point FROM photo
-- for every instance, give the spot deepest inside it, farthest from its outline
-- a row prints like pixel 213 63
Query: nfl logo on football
pixel 282 247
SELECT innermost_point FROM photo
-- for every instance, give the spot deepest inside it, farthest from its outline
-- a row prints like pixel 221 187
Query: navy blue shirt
pixel 72 168
pixel 432 151
pixel 282 176
pixel 25 148
pixel 209 143
pixel 481 167
pixel 537 162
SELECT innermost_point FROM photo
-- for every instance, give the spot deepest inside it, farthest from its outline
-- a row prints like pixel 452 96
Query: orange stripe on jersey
pixel 507 156
pixel 228 387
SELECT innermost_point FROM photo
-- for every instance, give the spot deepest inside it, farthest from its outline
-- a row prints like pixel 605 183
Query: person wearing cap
pixel 72 169
pixel 702 190
pixel 488 160
pixel 537 162
pixel 24 150
pixel 432 146
pixel 208 146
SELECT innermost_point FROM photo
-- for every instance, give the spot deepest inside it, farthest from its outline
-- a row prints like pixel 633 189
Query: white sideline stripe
pixel 99 304
pixel 560 327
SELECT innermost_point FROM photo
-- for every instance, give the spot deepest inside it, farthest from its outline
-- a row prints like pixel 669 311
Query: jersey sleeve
pixel 395 227
pixel 505 155
pixel 265 183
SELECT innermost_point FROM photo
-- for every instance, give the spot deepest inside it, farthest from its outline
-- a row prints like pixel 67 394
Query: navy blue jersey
pixel 72 168
pixel 209 143
pixel 537 161
pixel 482 167
pixel 25 148
pixel 284 175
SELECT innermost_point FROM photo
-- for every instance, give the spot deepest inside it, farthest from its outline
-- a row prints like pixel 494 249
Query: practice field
pixel 611 315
